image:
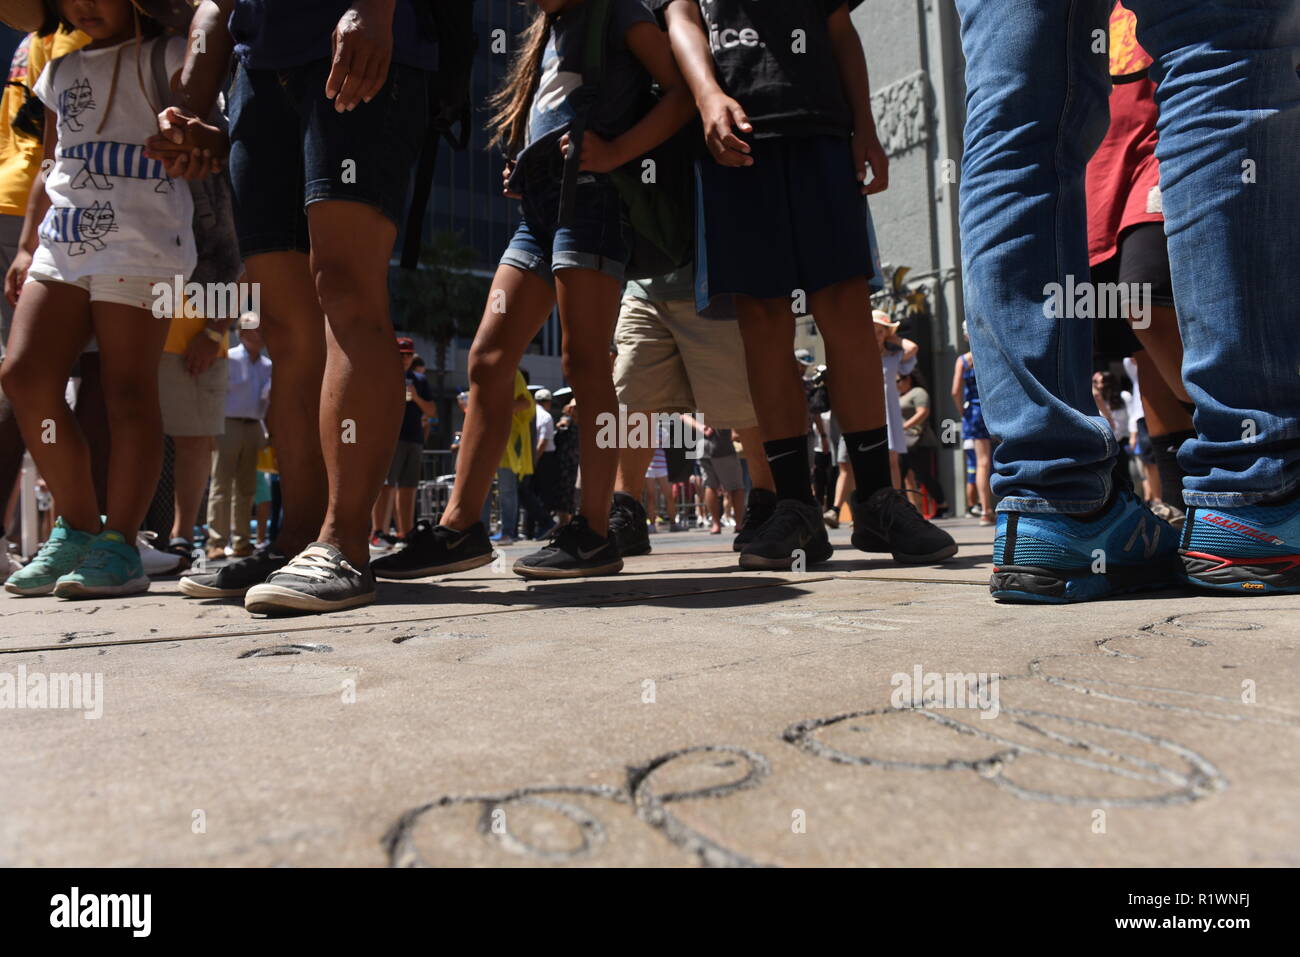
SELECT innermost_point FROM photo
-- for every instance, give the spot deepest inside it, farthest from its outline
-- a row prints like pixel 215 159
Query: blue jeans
pixel 508 497
pixel 1229 154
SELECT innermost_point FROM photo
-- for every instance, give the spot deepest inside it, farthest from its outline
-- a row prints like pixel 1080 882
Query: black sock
pixel 869 456
pixel 1165 449
pixel 788 460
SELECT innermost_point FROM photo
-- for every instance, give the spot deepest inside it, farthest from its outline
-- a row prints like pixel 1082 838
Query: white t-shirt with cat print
pixel 112 210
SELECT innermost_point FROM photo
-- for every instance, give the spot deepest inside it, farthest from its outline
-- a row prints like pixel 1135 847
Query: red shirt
pixel 1124 177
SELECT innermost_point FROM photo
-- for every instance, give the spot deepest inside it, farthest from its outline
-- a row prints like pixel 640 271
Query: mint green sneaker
pixel 61 553
pixel 111 566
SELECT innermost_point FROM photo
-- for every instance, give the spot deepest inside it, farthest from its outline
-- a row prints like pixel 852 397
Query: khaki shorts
pixel 671 360
pixel 192 405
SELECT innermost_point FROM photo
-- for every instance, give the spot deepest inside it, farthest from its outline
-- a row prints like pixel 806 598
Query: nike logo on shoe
pixel 587 556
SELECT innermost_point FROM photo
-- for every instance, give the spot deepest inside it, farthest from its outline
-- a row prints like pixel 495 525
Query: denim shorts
pixel 599 239
pixel 290 148
pixel 795 220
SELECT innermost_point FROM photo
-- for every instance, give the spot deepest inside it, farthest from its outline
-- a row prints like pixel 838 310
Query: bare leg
pixel 130 346
pixel 193 463
pixel 516 308
pixel 589 304
pixel 294 330
pixel 983 472
pixel 382 513
pixel 856 380
pixel 760 474
pixel 361 399
pixel 51 324
pixel 632 465
pixel 405 511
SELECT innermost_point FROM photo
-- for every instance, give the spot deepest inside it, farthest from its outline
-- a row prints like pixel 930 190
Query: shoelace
pixel 318 565
pixel 898 509
pixel 784 520
pixel 45 553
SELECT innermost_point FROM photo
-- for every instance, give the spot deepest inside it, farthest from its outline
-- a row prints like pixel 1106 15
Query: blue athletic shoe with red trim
pixel 1053 559
pixel 1254 550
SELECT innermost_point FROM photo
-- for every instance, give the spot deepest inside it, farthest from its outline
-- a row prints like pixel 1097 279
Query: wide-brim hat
pixel 24 15
pixel 29 15
pixel 881 318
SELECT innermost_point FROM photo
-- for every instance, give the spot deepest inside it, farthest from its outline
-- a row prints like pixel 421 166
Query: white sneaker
pixel 155 562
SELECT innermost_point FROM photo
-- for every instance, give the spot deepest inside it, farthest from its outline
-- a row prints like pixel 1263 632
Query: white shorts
pixel 126 290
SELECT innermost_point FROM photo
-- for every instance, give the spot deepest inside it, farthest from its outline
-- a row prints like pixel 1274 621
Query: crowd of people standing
pixel 326 110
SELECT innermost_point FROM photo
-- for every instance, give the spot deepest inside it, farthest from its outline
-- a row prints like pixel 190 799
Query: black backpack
pixel 662 212
pixel 451 24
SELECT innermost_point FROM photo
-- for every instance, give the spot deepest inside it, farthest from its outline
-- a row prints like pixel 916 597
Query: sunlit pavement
pixel 681 713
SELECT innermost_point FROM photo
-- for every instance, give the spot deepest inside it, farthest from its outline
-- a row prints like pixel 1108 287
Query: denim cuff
pixel 1045 506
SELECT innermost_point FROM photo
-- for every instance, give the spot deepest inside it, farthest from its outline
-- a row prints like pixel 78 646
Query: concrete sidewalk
pixel 682 713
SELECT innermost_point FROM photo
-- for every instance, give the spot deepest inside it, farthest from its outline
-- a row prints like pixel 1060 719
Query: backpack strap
pixel 162 83
pixel 451 25
pixel 593 80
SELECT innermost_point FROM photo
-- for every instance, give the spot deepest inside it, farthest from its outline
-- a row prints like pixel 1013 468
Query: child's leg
pixel 983 477
pixel 51 325
pixel 855 378
pixel 92 417
pixel 130 346
pixel 193 465
pixel 632 465
pixel 518 304
pixel 589 303
pixel 767 328
pixel 382 512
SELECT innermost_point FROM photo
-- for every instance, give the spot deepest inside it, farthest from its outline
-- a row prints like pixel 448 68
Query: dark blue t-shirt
pixel 412 427
pixel 553 108
pixel 280 34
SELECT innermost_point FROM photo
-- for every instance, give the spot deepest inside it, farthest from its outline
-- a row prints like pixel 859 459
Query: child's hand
pixel 867 151
pixel 598 153
pixel 187 147
pixel 505 181
pixel 17 275
pixel 722 116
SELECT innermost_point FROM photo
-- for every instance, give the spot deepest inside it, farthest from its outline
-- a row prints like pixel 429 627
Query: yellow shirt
pixel 20 154
pixel 519 451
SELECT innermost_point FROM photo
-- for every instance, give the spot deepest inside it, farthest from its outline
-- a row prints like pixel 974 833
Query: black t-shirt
pixel 560 84
pixel 412 427
pixel 775 58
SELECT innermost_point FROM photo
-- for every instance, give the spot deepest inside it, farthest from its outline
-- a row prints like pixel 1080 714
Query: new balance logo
pixel 1149 532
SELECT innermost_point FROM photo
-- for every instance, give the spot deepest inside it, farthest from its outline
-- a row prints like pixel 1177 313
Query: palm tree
pixel 440 300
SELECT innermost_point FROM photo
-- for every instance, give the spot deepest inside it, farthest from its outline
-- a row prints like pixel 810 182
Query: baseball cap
pixel 880 317
pixel 542 395
pixel 406 345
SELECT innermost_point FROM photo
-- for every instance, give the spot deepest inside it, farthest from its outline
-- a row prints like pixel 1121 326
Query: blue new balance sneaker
pixel 1254 550
pixel 1046 558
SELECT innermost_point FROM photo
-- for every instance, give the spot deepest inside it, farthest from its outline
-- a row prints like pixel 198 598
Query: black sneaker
pixel 183 549
pixel 435 550
pixel 233 580
pixel 574 552
pixel 794 526
pixel 628 526
pixel 319 578
pixel 759 507
pixel 888 522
